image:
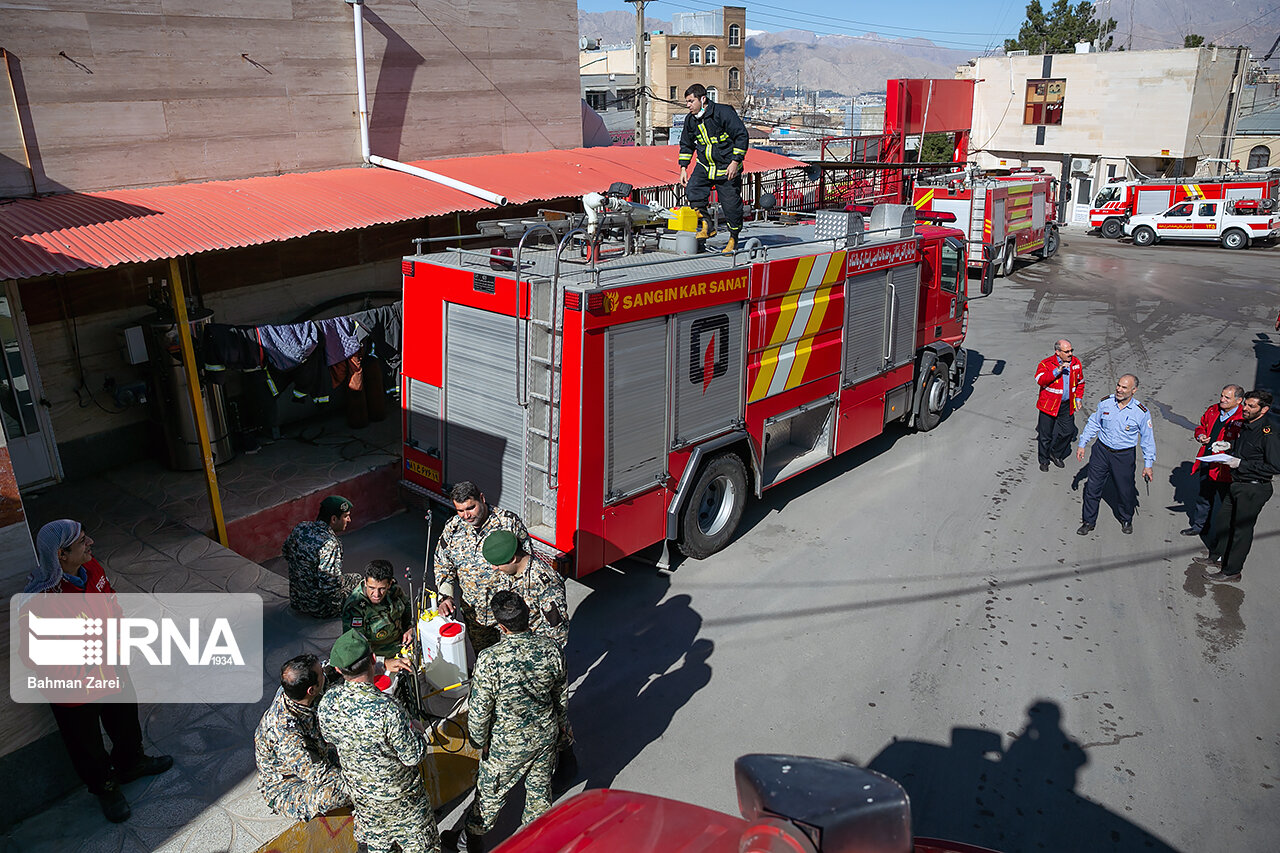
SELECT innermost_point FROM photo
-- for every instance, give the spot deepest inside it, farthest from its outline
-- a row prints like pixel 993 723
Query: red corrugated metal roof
pixel 74 231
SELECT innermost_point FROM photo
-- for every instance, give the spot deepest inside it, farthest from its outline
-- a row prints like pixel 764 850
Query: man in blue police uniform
pixel 1120 424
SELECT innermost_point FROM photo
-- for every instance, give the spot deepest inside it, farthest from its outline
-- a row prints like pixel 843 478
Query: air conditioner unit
pixel 1017 52
pixel 1080 165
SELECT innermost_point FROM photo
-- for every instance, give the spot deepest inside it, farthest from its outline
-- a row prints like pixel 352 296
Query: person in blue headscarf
pixel 66 566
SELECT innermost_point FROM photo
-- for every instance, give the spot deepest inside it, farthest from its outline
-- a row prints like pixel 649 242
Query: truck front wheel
pixel 1006 260
pixel 1051 242
pixel 937 396
pixel 1234 239
pixel 1112 229
pixel 714 508
pixel 1143 236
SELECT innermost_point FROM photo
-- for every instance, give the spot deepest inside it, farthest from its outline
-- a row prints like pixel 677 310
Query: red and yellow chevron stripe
pixel 796 323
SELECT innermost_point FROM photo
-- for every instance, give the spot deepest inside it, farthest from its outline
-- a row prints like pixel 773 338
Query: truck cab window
pixel 1208 209
pixel 1107 194
pixel 952 265
pixel 1180 210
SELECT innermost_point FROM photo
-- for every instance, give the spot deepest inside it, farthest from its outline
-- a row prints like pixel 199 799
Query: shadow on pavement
pixel 1011 799
pixel 1267 349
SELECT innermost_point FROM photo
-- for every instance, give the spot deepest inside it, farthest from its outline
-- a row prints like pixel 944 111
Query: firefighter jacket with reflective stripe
pixel 717 139
pixel 1051 386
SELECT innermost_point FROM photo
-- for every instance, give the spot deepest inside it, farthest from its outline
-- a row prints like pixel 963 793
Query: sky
pixel 959 24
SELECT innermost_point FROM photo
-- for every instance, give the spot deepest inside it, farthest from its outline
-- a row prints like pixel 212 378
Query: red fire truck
pixel 618 387
pixel 1005 217
pixel 789 804
pixel 1122 198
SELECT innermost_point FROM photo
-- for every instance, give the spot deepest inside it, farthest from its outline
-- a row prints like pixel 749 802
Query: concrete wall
pixel 1154 103
pixel 197 91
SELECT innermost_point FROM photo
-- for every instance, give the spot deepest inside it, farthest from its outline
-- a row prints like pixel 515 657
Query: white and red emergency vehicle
pixel 618 388
pixel 1122 198
pixel 1234 224
pixel 1005 217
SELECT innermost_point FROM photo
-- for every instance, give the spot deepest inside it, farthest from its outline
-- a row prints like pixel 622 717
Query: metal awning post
pixel 179 300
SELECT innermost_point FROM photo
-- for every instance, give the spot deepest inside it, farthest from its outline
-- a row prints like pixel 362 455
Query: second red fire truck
pixel 619 386
pixel 1004 217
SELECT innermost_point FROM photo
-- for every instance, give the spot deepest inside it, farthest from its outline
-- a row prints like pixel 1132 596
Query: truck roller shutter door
pixel 865 300
pixel 424 416
pixel 635 407
pixel 708 379
pixel 484 425
pixel 906 288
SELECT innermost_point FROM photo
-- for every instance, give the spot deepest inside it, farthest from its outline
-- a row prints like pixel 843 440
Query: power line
pixel 791 19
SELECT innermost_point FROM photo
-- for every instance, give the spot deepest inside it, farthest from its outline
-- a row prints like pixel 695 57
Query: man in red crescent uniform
pixel 1061 381
pixel 66 565
pixel 1220 423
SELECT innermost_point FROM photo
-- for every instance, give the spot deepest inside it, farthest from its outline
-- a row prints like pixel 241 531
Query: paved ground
pixel 922 605
pixel 925 606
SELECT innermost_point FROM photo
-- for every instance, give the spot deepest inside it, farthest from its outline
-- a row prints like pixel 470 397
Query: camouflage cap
pixel 349 649
pixel 500 547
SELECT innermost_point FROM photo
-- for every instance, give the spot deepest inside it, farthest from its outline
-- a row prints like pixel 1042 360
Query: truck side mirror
pixel 841 808
pixel 988 272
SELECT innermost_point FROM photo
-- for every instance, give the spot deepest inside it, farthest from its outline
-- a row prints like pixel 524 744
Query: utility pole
pixel 641 82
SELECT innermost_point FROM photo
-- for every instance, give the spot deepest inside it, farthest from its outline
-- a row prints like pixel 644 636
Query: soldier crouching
pixel 298 771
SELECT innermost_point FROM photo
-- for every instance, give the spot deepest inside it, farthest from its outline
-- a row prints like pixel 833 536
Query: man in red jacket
pixel 1220 422
pixel 1061 381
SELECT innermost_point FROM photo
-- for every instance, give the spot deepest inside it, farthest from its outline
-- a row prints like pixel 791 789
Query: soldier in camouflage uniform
pixel 542 588
pixel 298 772
pixel 317 585
pixel 380 748
pixel 461 563
pixel 517 709
pixel 380 610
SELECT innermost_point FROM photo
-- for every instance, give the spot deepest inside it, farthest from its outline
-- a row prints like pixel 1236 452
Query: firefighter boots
pixel 705 230
pixel 730 246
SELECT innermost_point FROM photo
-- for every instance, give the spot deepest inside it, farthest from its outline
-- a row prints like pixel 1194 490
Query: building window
pixel 735 35
pixel 1044 101
pixel 695 55
pixel 626 100
pixel 735 81
pixel 1259 156
pixel 712 94
pixel 675 51
pixel 674 93
pixel 713 55
pixel 597 100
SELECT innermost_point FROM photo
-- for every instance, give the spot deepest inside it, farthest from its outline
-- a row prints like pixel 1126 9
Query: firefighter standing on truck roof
pixel 712 145
pixel 464 578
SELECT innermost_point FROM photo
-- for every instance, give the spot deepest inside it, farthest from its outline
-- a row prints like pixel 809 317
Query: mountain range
pixel 855 64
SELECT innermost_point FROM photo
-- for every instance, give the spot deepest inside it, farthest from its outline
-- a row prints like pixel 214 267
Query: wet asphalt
pixel 922 605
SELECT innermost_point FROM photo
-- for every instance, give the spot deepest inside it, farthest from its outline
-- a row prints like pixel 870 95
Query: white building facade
pixel 1091 117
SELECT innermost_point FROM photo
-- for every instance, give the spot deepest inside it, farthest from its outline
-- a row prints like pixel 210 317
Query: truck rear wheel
pixel 1112 229
pixel 1143 236
pixel 1234 239
pixel 1006 260
pixel 1051 242
pixel 937 396
pixel 714 507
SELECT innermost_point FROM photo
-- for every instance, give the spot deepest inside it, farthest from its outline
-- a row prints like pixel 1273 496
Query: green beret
pixel 334 505
pixel 500 547
pixel 349 649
